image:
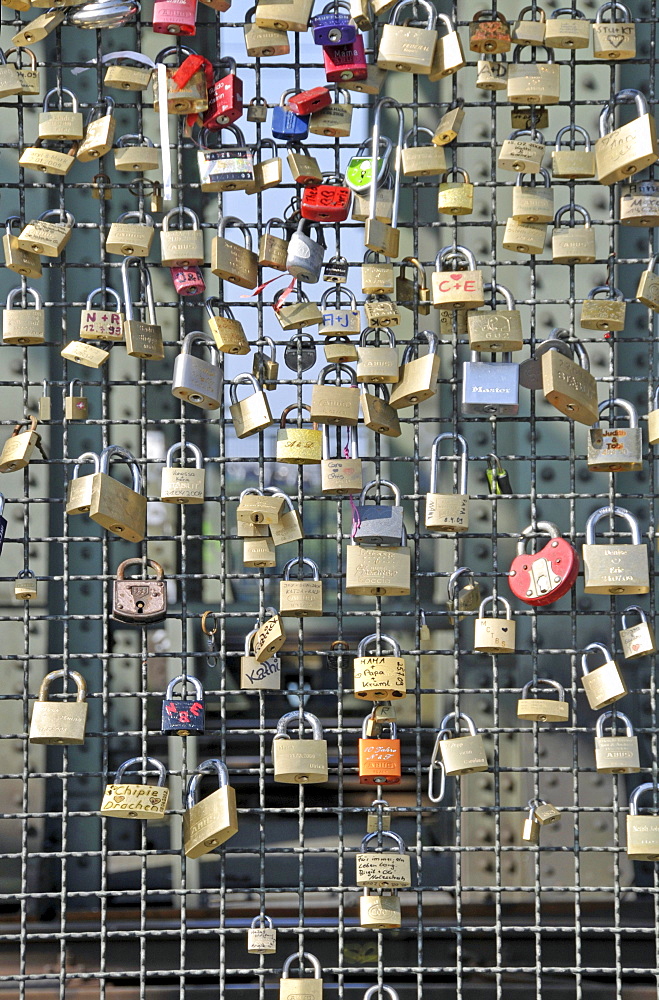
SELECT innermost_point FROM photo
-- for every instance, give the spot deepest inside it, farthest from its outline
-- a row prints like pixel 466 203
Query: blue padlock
pixel 333 27
pixel 286 124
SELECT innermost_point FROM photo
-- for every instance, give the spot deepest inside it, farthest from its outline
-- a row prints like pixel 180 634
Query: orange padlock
pixel 379 759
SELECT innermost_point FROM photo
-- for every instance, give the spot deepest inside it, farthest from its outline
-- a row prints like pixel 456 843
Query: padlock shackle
pixel 222 308
pixel 468 721
pixel 61 214
pixel 544 173
pixel 114 451
pixel 517 53
pixel 613 511
pixel 233 222
pixel 412 348
pixel 591 647
pixel 620 404
pixel 296 957
pixel 59 92
pixel 290 409
pixel 461 446
pixel 377 331
pixel 78 680
pixel 137 561
pixel 455 252
pixel 607 114
pixel 181 212
pixel 142 140
pixel 614 6
pixel 613 293
pixel 574 13
pixel 453 580
pixel 373 991
pixel 378 835
pixel 179 446
pixel 245 378
pixel 87 456
pixel 337 292
pixel 495 601
pixel 542 527
pixel 104 291
pixel 156 765
pixel 380 483
pixel 261 919
pixel 636 794
pixel 72 383
pixel 201 337
pixel 145 276
pixel 211 766
pixel 540 684
pixel 382 103
pixel 612 714
pixel 535 133
pixel 301 563
pixel 632 607
pixel 173 50
pixel 105 105
pixel 572 223
pixel 352 446
pixel 538 10
pixel 436 765
pixel 500 291
pixel 571 129
pixel 393 728
pixel 29 293
pixel 338 368
pixel 184 679
pixel 307 719
pixel 373 637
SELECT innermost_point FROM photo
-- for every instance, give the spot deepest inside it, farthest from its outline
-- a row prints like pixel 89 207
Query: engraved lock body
pixel 340 476
pixel 60 124
pixel 378 570
pixel 137 157
pixel 532 83
pixel 131 239
pixel 302 988
pixel 462 598
pixel 121 75
pixel 615 568
pixel 455 197
pixel 326 202
pixel 298 445
pixel 337 319
pixel 460 288
pixel 299 761
pixel 379 416
pixel 377 276
pixel 24 262
pixel 256 508
pixel 623 151
pixel 494 634
pixel 379 677
pixel 125 800
pixel 577 164
pixel 461 754
pixel 418 373
pixel 261 936
pixel 603 314
pixel 99 134
pixel 379 756
pixel 233 262
pixel 139 601
pixel 143 340
pixel 212 820
pixel 99 323
pixel 273 249
pixel 492 73
pixel 407 49
pixel 181 247
pixel 490 386
pixel 227 331
pixel 183 716
pixel 288 528
pixel 252 413
pixel 19 446
pixel 25 586
pixel 571 32
pixel 10 81
pixel 522 155
pixel 192 96
pixel 448 511
pixel 336 119
pixel 573 244
pixel 422 161
pixel 49 156
pixel 568 386
pixel 533 203
pixel 616 754
pixel 60 722
pixel 524 237
pixel 543 709
pixel 345 63
pixel 379 911
pixel 648 286
pixel 116 507
pixel 547 575
pixel 296 315
pixel 301 598
pixel 195 380
pixel 180 484
pixel 263 42
pixel 258 674
pixel 604 684
pixel 23 325
pixel 449 55
pixel 225 97
pixel 614 37
pixel 530 30
pixel 639 203
pixel 269 637
pixel 642 831
pixel 383 868
pixel 47 238
pixel 615 449
pixel 377 363
pixel 496 329
pixel 335 404
pixel 636 640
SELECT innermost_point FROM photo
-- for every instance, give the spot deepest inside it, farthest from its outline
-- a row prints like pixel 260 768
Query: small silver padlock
pixel 197 381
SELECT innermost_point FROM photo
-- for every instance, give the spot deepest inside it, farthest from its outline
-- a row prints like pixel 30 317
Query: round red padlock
pixel 544 577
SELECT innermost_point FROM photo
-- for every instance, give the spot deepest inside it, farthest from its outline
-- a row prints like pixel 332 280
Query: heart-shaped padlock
pixel 544 577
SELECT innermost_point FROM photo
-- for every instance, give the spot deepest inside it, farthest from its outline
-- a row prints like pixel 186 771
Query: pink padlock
pixel 345 62
pixel 188 280
pixel 225 98
pixel 175 17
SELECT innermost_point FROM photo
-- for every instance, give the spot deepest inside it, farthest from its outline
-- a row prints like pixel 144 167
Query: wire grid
pixel 94 908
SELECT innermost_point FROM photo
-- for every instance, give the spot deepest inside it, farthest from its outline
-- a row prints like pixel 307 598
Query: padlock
pixel 261 936
pixel 262 675
pixel 99 134
pixel 225 97
pixel 265 367
pixel 378 677
pixel 422 161
pixel 187 88
pixel 338 350
pixel 494 635
pixel 545 812
pixel 449 55
pixel 257 109
pixel 326 202
pixel 345 63
pixel 577 164
pixel 417 376
pixel 60 723
pixel 599 315
pixel 639 203
pixel 498 329
pixel 616 754
pixel 605 684
pixel 295 315
pixel 287 125
pixel 466 598
pixel 194 380
pixel 39 28
pixel 214 819
pixel 572 32
pixel 376 363
pixel 497 477
pixel 547 575
pixel 181 247
pixel 44 403
pixel 615 449
pixel 574 244
pixel 637 640
pixel 614 39
pixel 60 124
pixel 338 319
pixel 413 293
pixel 303 166
pixel 306 102
pixel 17 449
pixel 647 291
pixel 382 570
pixel 304 257
pixel 75 407
pixel 569 386
pixel 47 238
pixel 49 156
pixel 653 420
pixel 288 528
pixel 25 585
pixel 269 637
pixel 642 831
pixel 359 172
pixel 135 602
pixel 299 761
pixel 188 280
pixel 520 155
pixel 334 120
pixel 629 148
pixel 379 524
pixel 615 568
pixel 79 490
pixel 532 203
pixel 183 716
pixel 455 197
pixel 121 75
pixel 139 157
pixel 461 754
pixel 384 236
pixel 28 76
pixel 181 485
pixel 125 800
pixel 298 445
pixel 406 49
pixel 379 764
pixel 114 506
pixel 377 277
pixel 382 868
pixel 543 709
pixel 379 416
pixel 533 83
pixel 23 325
pixel 263 42
pixel 256 508
pixel 102 323
pixel 303 988
pixel 101 187
pixel 300 353
pixel 283 16
pixel 384 204
pixel 251 414
pixel 457 289
pixel 84 354
pixel 448 511
pixel 24 262
pixel 524 237
pixel 332 27
pixel 490 386
pixel 379 911
pixel 143 340
pixel 492 73
pixel 131 239
pixel 301 598
pixel 489 32
pixel 336 403
pixel 531 31
pixel 228 332
pixel 224 167
pixel 531 828
pixel 273 249
pixel 340 475
pixel 230 261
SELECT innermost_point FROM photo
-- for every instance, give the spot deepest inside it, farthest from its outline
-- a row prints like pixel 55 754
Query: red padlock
pixel 345 62
pixel 175 17
pixel 225 98
pixel 309 101
pixel 544 577
pixel 327 202
pixel 188 280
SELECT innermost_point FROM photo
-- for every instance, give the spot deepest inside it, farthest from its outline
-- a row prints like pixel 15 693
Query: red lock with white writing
pixel 307 102
pixel 345 62
pixel 175 17
pixel 544 577
pixel 188 280
pixel 326 202
pixel 225 98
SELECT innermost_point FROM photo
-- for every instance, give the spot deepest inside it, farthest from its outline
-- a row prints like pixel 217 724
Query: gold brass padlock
pixel 214 819
pixel 230 261
pixel 379 911
pixel 261 675
pixel 296 315
pixel 39 27
pixel 615 568
pixel 460 754
pixel 256 508
pixel 408 49
pixel 494 635
pixel 624 151
pixel 543 709
pixel 299 761
pixel 462 598
pixel 124 800
pixel 300 598
pixel 379 416
pixel 616 754
pixel 143 340
pixel 130 239
pixel 382 868
pixel 449 125
pixel 192 96
pixel 261 936
pixel 137 157
pixel 101 187
pixel 269 637
pixel 523 156
pixel 17 449
pixel 637 640
pixel 121 75
pixel 114 506
pixel 455 197
pixel 273 250
pixel 459 287
pixel 47 238
pixel 289 526
pixel 421 161
pixel 614 39
pixel 545 812
pixel 298 445
pixel 181 247
pixel 573 244
pixel 101 322
pixel 573 163
pixel 524 237
pixel 379 677
pixel 252 414
pixel 413 293
pixel 532 30
pixel 492 72
pixel 75 407
pixel 418 373
pixel 61 723
pixel 496 329
pixel 60 124
pixel 607 314
pixel 79 490
pixel 531 828
pixel 44 403
pixel 378 570
pixel 335 403
pixel 568 385
pixel 227 331
pixel 449 55
pixel 263 42
pixel 572 32
pixel 448 511
pixel 531 202
pixel 23 325
pixel 99 134
pixel 302 988
pixel 605 684
pixel 84 354
pixel 180 484
pixel 334 120
pixel 24 262
pixel 25 585
pixel 642 831
pixel 377 275
pixel 532 82
pixel 48 160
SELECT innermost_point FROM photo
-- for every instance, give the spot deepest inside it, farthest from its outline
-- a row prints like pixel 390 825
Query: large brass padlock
pixel 380 911
pixel 298 445
pixel 299 761
pixel 533 83
pixel 379 570
pixel 130 239
pixel 637 640
pixel 99 134
pixel 615 449
pixel 605 684
pixel 543 709
pixel 377 275
pixel 571 32
pixel 422 161
pixel 642 831
pixel 24 262
pixel 228 332
pixel 23 325
pixel 615 568
pixel 531 202
pixel 335 404
pixel 379 677
pixel 614 39
pixel 60 124
pixel 624 151
pixel 124 800
pixel 302 988
pixel 418 373
pixel 616 754
pixel 448 511
pixel 263 42
pixel 230 261
pixel 609 314
pixel 116 507
pixel 496 329
pixel 139 602
pixel 382 868
pixel 61 723
pixel 79 490
pixel 377 363
pixel 492 73
pixel 143 340
pixel 10 81
pixel 273 249
pixel 495 634
pixel 192 96
pixel 460 287
pixel 569 386
pixel 461 754
pixel 179 484
pixel 251 414
pixel 301 598
pixel 139 156
pixel 17 449
pixel 340 476
pixel 406 49
pixel 296 315
pixel 214 819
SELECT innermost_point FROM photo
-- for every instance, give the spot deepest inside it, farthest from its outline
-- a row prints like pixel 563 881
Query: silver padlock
pixel 261 936
pixel 615 449
pixel 379 524
pixel 490 386
pixel 304 259
pixel 197 381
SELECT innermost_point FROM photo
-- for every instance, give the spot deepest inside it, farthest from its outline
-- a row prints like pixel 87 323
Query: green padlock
pixel 497 477
pixel 360 168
